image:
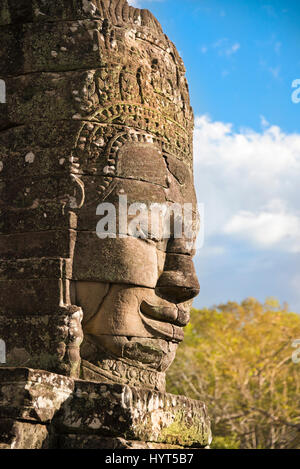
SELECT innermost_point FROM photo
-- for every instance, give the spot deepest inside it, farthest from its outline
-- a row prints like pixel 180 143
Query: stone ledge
pixel 113 410
pixel 96 442
pixel 32 395
pixel 88 414
pixel 22 435
pixel 28 11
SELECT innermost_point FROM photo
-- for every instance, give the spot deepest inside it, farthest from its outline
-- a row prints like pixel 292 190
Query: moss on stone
pixel 184 434
pixel 5 15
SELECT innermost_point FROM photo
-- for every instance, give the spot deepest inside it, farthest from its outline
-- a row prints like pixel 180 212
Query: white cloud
pixel 232 49
pixel 277 47
pixel 249 182
pixel 275 71
pixel 213 251
pixel 272 226
pixel 134 3
pixel 264 121
pixel 140 3
pixel 224 47
pixel 225 73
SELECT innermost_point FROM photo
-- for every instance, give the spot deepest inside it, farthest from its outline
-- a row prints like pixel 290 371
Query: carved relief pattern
pixel 141 84
pixel 126 373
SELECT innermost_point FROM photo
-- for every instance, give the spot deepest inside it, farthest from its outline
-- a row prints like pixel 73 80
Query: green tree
pixel 237 358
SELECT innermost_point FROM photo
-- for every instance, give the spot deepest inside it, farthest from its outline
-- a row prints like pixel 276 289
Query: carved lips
pixel 165 321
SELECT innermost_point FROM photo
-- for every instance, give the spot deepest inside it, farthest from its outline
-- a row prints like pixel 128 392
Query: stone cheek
pixel 126 268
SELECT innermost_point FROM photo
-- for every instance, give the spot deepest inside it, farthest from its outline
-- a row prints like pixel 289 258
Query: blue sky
pixel 241 59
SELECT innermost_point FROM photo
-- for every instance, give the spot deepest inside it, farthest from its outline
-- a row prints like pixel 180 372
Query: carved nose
pixel 178 282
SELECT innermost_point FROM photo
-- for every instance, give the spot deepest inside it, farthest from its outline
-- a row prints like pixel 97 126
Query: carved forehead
pixel 147 174
pixel 142 161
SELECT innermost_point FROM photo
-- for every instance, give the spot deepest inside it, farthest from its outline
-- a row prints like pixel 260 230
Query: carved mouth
pixel 165 321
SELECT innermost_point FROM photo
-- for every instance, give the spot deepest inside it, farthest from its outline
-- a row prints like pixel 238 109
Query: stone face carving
pixel 97 108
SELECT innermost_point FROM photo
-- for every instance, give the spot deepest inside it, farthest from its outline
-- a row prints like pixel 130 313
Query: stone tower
pixel 96 109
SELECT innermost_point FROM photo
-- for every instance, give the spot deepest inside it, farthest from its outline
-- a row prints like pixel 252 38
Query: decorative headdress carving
pixel 140 84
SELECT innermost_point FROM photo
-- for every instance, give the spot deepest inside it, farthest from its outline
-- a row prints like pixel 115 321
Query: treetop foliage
pixel 238 359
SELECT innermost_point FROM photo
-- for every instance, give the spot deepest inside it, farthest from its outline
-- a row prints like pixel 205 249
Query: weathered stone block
pixel 63 190
pixel 24 11
pixel 46 216
pixel 42 47
pixel 22 269
pixel 58 148
pixel 98 442
pixel 134 414
pixel 87 415
pixel 32 395
pixel 36 150
pixel 48 96
pixel 49 342
pixel 42 295
pixel 27 193
pixel 33 245
pixel 22 435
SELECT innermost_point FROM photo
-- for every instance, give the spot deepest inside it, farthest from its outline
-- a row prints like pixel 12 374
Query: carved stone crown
pixel 141 82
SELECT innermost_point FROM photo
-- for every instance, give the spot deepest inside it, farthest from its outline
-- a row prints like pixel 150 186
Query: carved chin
pixel 153 354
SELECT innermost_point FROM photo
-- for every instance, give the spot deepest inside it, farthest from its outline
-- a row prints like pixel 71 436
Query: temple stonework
pixel 96 110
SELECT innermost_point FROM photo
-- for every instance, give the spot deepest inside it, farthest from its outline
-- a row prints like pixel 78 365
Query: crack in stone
pixel 109 287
